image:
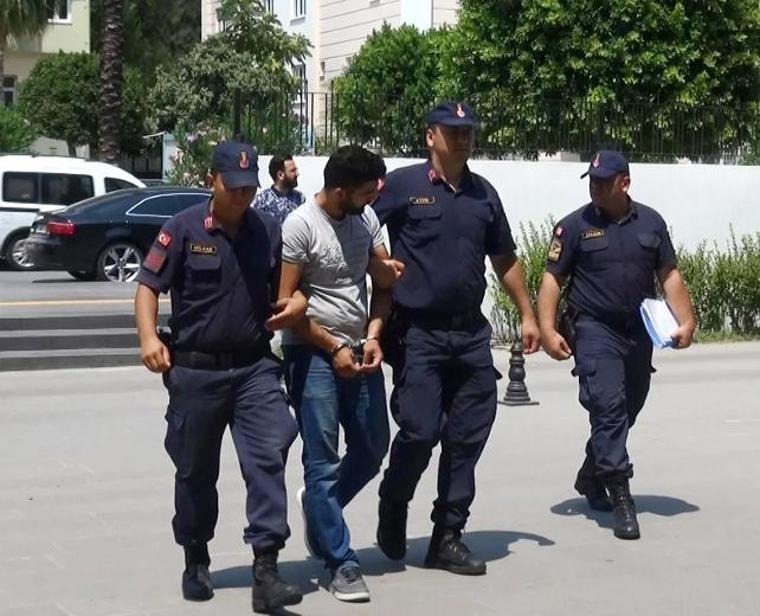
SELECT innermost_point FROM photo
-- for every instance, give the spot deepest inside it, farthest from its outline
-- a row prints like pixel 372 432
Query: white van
pixel 32 184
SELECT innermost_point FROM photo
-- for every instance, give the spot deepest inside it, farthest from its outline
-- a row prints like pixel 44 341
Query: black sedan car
pixel 106 237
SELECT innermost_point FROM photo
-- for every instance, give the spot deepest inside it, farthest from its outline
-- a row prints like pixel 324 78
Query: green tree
pixel 16 133
pixel 647 67
pixel 253 55
pixel 155 32
pixel 19 18
pixel 110 83
pixel 60 100
pixel 388 87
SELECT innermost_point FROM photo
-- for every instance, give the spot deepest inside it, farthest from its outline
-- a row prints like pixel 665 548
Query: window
pixel 299 8
pixel 20 187
pixel 59 11
pixel 9 90
pixel 299 71
pixel 65 188
pixel 186 201
pixel 116 184
pixel 165 206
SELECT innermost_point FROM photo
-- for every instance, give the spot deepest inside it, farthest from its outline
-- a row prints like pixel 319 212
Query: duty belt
pixel 219 361
pixel 437 320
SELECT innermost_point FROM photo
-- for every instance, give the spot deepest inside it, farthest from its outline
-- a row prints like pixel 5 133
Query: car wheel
pixel 83 275
pixel 119 262
pixel 15 254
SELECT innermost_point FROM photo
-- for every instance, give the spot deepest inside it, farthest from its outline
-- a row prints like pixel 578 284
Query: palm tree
pixel 19 18
pixel 111 65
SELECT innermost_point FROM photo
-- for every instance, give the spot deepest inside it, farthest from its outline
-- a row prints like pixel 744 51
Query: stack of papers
pixel 659 321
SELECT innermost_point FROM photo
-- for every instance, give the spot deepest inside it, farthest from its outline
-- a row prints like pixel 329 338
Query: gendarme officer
pixel 611 250
pixel 443 220
pixel 220 260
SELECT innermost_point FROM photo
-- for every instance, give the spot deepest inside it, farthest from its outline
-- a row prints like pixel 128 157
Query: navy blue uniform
pixel 445 382
pixel 223 372
pixel 612 268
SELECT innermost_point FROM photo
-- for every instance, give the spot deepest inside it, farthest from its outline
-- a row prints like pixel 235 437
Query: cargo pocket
pixel 175 424
pixel 585 369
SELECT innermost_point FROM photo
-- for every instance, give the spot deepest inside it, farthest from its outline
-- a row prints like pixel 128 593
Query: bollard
pixel 517 393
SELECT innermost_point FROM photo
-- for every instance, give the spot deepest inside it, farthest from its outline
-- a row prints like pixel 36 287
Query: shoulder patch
pixel 164 239
pixel 155 260
pixel 555 250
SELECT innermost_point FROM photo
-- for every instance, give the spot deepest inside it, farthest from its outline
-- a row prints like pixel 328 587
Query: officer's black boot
pixel 270 592
pixel 589 485
pixel 626 525
pixel 391 529
pixel 196 580
pixel 448 552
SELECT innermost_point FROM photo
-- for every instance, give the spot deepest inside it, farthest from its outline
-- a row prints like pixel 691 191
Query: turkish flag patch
pixel 164 239
pixel 155 260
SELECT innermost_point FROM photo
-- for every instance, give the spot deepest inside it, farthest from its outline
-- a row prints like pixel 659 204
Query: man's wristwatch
pixel 336 349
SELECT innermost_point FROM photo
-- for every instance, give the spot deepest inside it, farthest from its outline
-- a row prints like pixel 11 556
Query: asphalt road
pixel 86 503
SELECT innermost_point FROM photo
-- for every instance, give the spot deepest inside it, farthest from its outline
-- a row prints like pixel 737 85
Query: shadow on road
pixel 667 506
pixel 309 574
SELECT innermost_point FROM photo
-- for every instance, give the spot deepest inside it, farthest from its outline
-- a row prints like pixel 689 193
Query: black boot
pixel 626 525
pixel 448 552
pixel 270 592
pixel 196 580
pixel 391 529
pixel 589 485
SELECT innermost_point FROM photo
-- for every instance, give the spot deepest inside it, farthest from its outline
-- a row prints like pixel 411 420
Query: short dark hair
pixel 277 164
pixel 352 165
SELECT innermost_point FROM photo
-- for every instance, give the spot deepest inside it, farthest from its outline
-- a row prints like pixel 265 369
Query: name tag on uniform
pixel 421 200
pixel 202 249
pixel 592 233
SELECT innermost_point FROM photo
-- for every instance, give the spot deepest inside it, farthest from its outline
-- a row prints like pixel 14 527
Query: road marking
pixel 73 302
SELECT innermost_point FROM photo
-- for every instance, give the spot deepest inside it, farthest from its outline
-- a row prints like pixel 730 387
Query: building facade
pixel 68 30
pixel 338 28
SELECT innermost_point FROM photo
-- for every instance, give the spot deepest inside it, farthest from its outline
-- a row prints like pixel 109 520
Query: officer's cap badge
pixel 244 162
pixel 460 110
pixel 597 160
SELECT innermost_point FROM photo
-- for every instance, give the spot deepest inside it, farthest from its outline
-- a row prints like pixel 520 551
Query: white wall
pixel 699 202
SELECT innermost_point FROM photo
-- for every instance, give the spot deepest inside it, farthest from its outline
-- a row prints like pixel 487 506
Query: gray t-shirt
pixel 335 255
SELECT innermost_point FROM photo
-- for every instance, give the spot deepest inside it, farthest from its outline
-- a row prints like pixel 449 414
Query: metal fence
pixel 318 122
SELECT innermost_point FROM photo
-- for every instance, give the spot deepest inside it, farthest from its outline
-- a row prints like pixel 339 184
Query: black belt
pixel 219 361
pixel 437 320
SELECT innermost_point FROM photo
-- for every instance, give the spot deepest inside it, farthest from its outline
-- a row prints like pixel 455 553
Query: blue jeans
pixel 324 402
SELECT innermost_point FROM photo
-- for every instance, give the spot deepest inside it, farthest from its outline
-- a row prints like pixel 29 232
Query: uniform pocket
pixel 649 240
pixel 594 244
pixel 585 369
pixel 421 212
pixel 204 270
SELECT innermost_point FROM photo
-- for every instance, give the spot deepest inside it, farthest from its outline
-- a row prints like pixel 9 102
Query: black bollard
pixel 517 393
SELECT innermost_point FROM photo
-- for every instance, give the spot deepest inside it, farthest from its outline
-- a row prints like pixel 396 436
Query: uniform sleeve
pixel 560 256
pixel 389 202
pixel 296 238
pixel 666 254
pixel 499 240
pixel 161 265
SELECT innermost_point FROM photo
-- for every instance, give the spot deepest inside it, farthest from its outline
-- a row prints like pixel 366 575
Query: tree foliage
pixel 20 18
pixel 155 32
pixel 388 87
pixel 640 64
pixel 252 55
pixel 60 100
pixel 16 133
